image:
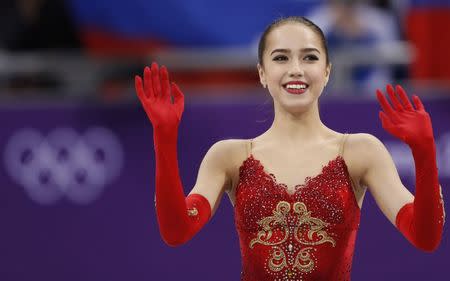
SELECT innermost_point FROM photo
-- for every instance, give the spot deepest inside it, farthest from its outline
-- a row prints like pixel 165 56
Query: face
pixel 294 66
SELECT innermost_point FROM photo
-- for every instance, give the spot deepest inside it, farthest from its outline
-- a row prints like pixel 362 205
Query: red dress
pixel 305 235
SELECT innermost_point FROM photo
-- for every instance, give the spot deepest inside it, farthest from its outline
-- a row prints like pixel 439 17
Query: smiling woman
pixel 301 224
pixel 293 60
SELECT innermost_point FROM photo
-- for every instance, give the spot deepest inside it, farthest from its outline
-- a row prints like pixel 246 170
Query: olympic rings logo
pixel 63 163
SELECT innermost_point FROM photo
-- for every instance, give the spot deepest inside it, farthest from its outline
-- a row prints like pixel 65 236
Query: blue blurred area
pixel 186 23
pixel 430 3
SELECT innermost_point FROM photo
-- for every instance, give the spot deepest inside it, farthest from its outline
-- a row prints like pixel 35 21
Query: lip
pixel 295 91
pixel 298 82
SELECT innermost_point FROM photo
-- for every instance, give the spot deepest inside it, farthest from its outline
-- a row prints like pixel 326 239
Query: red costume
pixel 305 235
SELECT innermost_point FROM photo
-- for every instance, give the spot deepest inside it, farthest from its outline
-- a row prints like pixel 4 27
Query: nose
pixel 295 69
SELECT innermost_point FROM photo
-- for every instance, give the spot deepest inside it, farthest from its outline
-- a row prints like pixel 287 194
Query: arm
pixel 179 217
pixel 419 218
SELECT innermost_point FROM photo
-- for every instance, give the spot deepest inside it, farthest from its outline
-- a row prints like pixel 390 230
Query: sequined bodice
pixel 307 234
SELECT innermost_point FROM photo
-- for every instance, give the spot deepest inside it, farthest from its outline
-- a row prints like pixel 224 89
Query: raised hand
pixel 154 94
pixel 411 125
pixel 422 220
pixel 177 225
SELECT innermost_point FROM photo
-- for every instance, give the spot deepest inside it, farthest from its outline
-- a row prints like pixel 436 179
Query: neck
pixel 304 127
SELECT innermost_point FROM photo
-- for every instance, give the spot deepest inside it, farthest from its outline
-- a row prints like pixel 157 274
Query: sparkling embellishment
pixel 192 212
pixel 442 203
pixel 293 234
pixel 301 217
pixel 290 247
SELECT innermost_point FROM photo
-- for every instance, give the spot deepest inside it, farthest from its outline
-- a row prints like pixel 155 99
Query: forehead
pixel 292 36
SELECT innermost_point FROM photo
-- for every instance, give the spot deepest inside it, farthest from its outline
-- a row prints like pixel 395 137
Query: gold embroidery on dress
pixel 304 260
pixel 316 225
pixel 278 261
pixel 267 223
pixel 442 203
pixel 192 212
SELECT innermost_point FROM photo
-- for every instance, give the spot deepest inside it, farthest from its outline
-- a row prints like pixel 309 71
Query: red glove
pixel 179 218
pixel 421 221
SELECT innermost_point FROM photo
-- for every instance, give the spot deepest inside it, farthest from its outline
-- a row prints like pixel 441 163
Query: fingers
pixel 165 85
pixel 385 121
pixel 178 97
pixel 148 83
pixel 156 84
pixel 395 102
pixel 384 103
pixel 418 103
pixel 155 80
pixel 139 87
pixel 404 98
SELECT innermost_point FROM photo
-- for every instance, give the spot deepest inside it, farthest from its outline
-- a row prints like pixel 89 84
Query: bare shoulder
pixel 360 150
pixel 220 152
pixel 230 152
pixel 233 152
pixel 216 170
pixel 229 148
pixel 366 145
pixel 362 142
pixel 222 146
pixel 233 148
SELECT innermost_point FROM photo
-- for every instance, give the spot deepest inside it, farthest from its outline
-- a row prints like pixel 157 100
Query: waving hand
pixel 155 97
pixel 412 125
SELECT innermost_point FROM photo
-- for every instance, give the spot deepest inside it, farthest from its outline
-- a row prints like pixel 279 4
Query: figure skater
pixel 302 223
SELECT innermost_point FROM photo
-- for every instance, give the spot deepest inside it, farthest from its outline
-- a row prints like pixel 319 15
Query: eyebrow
pixel 288 51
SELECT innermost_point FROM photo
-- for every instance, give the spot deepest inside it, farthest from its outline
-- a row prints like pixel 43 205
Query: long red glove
pixel 179 218
pixel 421 221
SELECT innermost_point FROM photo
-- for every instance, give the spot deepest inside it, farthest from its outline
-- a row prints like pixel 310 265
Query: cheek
pixel 318 74
pixel 274 75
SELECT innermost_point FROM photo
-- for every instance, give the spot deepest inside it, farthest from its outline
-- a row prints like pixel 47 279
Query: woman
pixel 295 226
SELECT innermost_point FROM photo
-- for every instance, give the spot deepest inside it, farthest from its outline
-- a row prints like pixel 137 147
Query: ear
pixel 262 76
pixel 327 73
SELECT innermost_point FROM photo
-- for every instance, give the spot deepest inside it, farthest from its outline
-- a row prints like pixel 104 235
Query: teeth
pixel 296 86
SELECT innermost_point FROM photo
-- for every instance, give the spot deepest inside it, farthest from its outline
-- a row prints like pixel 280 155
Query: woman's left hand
pixel 412 126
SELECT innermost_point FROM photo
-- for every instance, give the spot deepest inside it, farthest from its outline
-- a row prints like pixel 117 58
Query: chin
pixel 297 107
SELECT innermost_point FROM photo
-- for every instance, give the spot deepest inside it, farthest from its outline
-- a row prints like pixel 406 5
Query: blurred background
pixel 90 50
pixel 77 173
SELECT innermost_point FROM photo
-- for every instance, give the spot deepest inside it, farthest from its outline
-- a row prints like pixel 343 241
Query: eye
pixel 311 57
pixel 280 58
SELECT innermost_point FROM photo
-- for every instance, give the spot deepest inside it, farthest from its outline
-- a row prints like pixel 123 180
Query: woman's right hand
pixel 154 94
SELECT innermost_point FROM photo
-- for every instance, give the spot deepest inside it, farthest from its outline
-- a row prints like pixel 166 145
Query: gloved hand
pixel 420 221
pixel 413 126
pixel 179 218
pixel 155 97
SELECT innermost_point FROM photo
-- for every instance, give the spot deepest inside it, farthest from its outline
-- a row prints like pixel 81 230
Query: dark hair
pixel 281 21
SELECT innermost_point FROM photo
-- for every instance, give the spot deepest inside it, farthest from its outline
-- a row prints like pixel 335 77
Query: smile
pixel 296 88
